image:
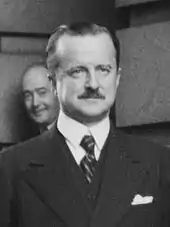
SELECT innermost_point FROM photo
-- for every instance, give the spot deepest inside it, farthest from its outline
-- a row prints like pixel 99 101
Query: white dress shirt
pixel 74 131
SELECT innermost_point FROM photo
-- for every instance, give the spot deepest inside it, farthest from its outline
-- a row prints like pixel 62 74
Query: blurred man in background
pixel 39 95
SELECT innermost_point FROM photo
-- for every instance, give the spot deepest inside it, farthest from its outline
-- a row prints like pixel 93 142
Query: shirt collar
pixel 51 125
pixel 100 132
pixel 48 127
pixel 74 131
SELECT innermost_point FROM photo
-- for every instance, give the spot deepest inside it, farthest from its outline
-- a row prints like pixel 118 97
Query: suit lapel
pixel 51 180
pixel 119 182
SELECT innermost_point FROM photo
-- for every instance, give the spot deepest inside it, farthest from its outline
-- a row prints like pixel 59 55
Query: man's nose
pixel 35 100
pixel 92 80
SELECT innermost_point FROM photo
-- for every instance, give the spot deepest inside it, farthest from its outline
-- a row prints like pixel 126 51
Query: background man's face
pixel 87 76
pixel 39 98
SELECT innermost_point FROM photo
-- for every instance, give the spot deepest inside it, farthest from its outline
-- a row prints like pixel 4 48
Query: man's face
pixel 39 98
pixel 87 77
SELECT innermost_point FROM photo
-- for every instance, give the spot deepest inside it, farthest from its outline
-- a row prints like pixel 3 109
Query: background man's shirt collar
pixel 48 127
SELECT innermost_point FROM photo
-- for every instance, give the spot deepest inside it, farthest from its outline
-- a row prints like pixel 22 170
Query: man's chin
pixel 94 111
pixel 92 116
pixel 85 114
pixel 39 120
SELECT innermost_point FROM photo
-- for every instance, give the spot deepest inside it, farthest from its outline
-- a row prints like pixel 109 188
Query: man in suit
pixel 84 172
pixel 39 96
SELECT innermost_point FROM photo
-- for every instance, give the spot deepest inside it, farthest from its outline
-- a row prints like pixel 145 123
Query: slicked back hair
pixel 76 29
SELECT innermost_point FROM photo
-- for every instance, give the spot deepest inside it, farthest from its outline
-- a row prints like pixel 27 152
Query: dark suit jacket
pixel 37 187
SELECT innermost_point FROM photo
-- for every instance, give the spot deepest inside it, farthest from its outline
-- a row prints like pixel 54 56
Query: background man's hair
pixel 76 29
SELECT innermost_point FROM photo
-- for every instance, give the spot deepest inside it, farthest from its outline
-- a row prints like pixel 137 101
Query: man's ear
pixel 118 76
pixel 55 91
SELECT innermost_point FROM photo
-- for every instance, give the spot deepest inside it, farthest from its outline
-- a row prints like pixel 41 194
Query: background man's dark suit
pixel 44 192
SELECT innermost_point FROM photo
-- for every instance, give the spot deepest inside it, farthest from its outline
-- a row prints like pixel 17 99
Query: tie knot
pixel 88 144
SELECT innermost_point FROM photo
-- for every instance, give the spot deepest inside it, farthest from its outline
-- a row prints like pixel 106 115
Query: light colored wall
pixel 144 92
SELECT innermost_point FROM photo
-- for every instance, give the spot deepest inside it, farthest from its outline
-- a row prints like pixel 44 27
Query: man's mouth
pixel 39 111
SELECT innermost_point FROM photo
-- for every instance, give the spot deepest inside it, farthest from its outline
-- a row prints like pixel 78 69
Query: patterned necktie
pixel 88 163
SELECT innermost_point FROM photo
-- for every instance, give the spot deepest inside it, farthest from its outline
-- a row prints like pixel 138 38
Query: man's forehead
pixel 36 77
pixel 37 70
pixel 97 42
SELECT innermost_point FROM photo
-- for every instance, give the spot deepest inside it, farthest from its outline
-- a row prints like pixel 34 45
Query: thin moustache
pixel 94 96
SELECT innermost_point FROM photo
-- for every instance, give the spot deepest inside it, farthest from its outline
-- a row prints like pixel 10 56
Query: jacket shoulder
pixel 141 147
pixel 19 155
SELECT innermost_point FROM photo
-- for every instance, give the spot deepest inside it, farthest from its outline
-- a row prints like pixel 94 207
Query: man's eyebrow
pixel 41 88
pixel 26 92
pixel 36 89
pixel 77 66
pixel 105 65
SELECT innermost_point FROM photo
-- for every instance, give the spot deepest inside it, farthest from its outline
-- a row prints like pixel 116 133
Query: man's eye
pixel 42 92
pixel 77 72
pixel 27 96
pixel 104 69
